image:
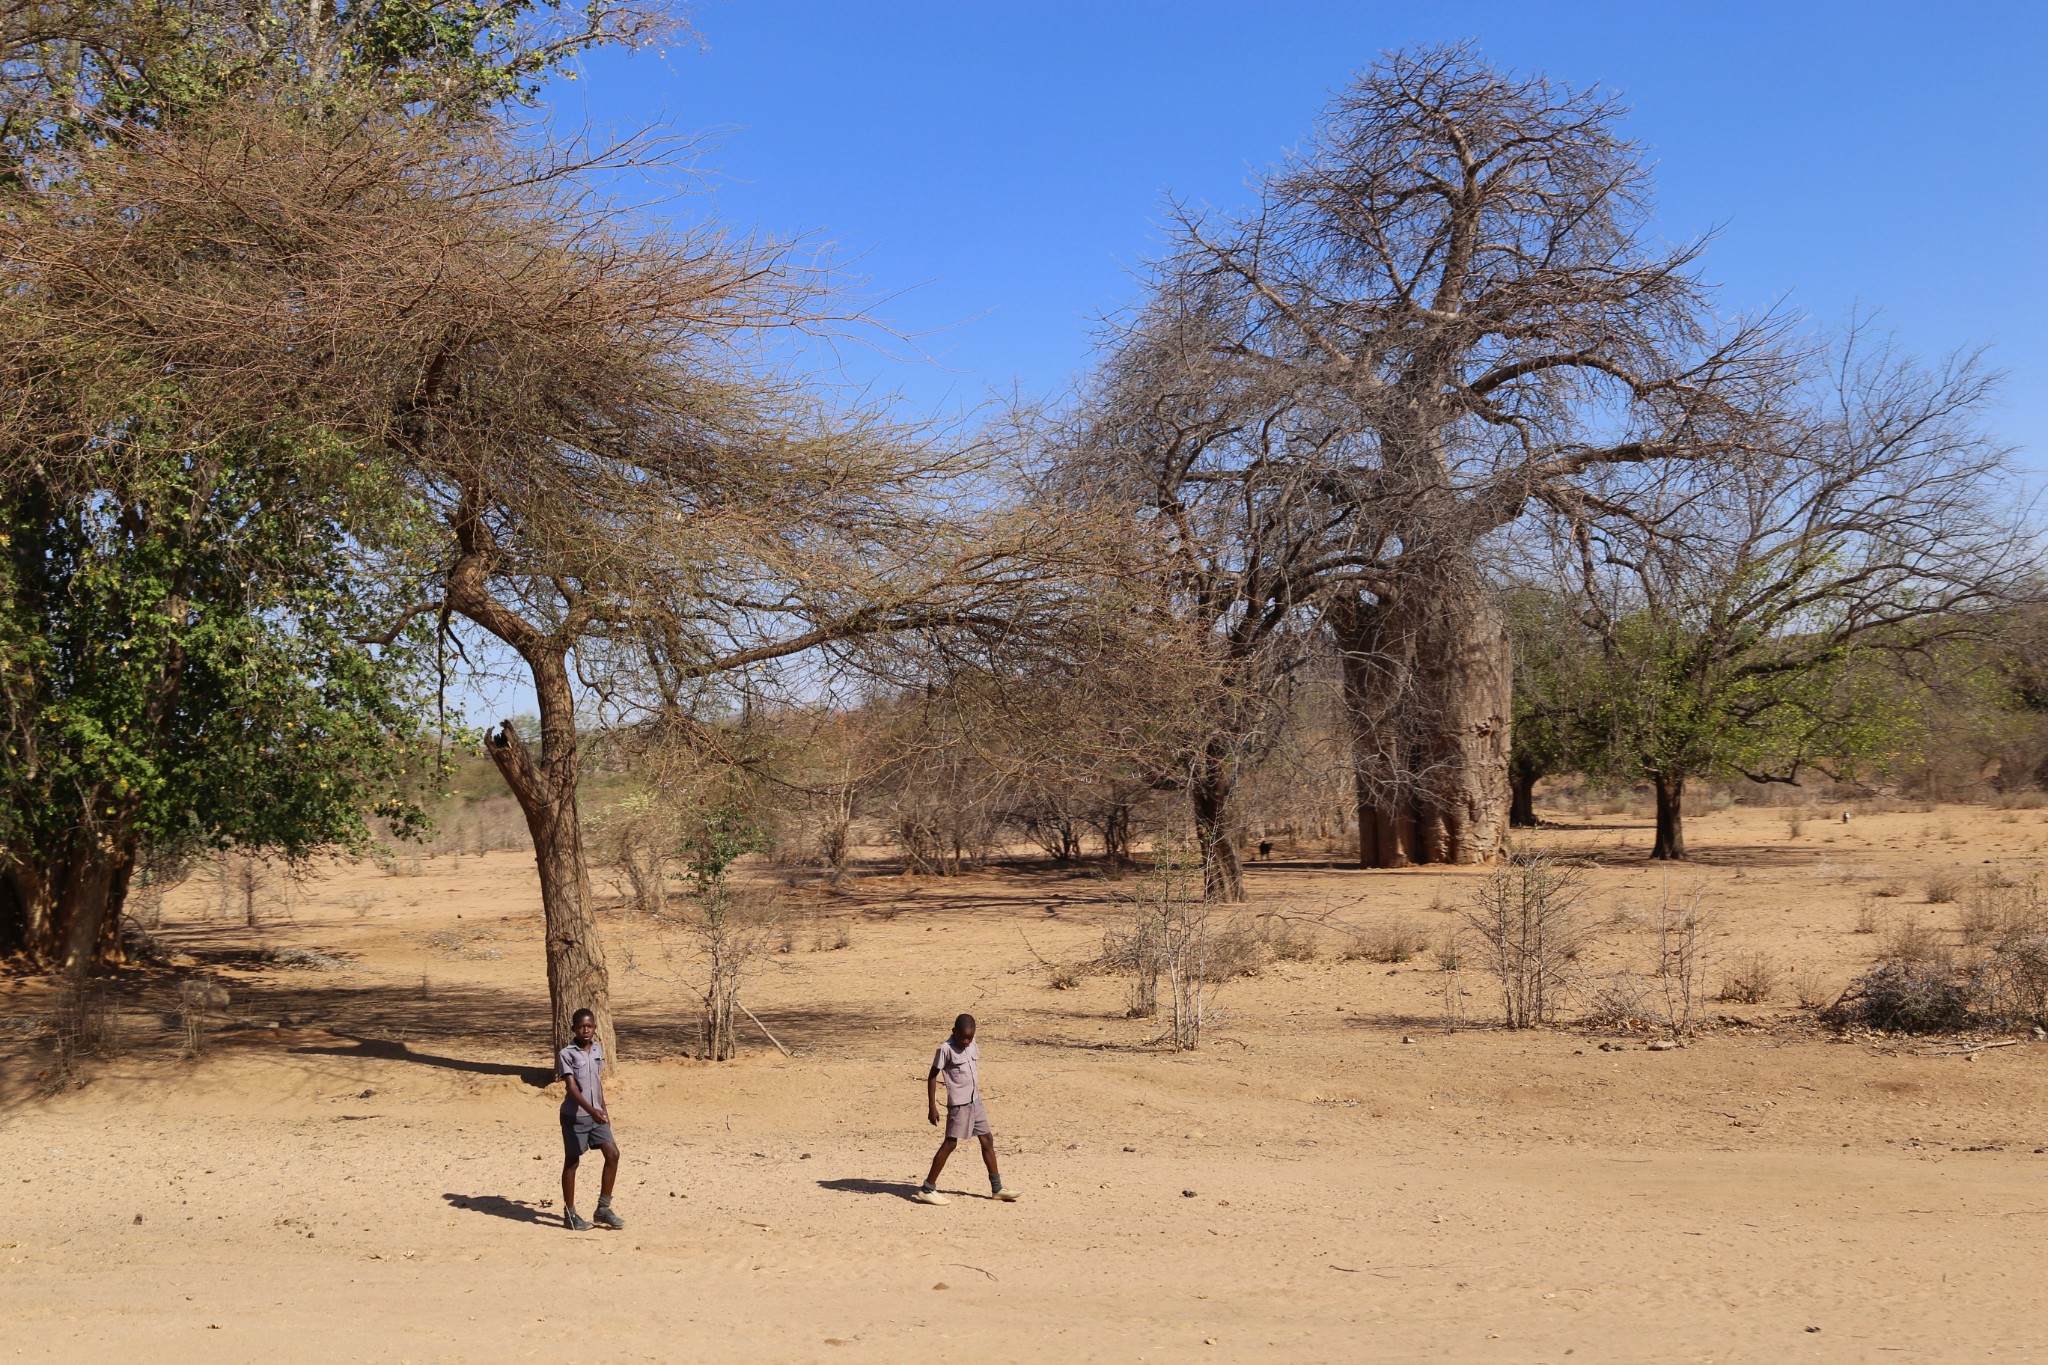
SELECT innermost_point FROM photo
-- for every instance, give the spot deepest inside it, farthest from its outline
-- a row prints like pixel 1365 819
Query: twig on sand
pixel 977 1269
pixel 1962 1049
pixel 764 1030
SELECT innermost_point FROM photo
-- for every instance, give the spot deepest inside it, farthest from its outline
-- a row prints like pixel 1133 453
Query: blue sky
pixel 995 172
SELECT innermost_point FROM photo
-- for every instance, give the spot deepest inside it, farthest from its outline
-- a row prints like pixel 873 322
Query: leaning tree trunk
pixel 1670 845
pixel 1210 794
pixel 546 791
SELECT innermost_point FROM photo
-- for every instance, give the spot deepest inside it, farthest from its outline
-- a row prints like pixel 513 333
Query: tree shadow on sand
pixel 855 1185
pixel 498 1206
pixel 385 1050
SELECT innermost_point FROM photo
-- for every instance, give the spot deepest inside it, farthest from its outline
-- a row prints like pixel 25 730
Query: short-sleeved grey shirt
pixel 961 1068
pixel 587 1066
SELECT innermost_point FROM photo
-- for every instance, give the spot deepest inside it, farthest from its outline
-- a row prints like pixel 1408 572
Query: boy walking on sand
pixel 585 1124
pixel 958 1061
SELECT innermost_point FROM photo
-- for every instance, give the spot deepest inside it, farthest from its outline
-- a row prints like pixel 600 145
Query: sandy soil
pixel 374 1177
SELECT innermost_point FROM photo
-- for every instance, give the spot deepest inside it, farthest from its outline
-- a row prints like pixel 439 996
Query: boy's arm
pixel 931 1096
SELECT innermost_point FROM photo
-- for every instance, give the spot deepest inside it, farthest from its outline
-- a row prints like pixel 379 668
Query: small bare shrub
pixel 842 937
pixel 2013 981
pixel 1811 989
pixel 1867 920
pixel 1888 889
pixel 1751 982
pixel 1287 940
pixel 1795 824
pixel 1622 1001
pixel 1234 951
pixel 1945 886
pixel 1682 933
pixel 1450 952
pixel 1063 977
pixel 1390 940
pixel 1912 941
pixel 1526 918
pixel 198 1000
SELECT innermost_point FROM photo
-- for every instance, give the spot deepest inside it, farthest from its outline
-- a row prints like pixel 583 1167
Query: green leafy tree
pixel 1751 624
pixel 207 633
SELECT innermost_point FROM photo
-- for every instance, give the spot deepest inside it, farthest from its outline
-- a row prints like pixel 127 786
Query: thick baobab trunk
pixel 1522 778
pixel 1670 845
pixel 1427 688
pixel 546 791
pixel 1210 794
pixel 62 912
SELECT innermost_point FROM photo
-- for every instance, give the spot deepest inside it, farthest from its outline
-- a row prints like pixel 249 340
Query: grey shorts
pixel 967 1120
pixel 580 1135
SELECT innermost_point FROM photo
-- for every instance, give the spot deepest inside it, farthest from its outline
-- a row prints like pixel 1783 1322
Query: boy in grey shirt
pixel 958 1061
pixel 585 1124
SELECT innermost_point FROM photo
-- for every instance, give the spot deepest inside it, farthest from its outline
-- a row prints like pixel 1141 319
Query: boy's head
pixel 584 1024
pixel 963 1030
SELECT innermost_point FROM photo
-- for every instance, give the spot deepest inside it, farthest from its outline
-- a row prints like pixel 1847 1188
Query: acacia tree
pixel 1557 680
pixel 1752 622
pixel 1456 271
pixel 184 651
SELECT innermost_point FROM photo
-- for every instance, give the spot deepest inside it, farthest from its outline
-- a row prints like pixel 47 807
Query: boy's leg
pixel 568 1184
pixel 939 1161
pixel 995 1177
pixel 603 1215
pixel 988 1159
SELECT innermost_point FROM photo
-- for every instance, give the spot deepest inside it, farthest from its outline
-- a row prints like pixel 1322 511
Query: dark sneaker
pixel 605 1218
pixel 574 1221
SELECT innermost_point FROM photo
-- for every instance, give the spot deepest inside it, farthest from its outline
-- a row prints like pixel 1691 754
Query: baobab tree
pixel 1456 272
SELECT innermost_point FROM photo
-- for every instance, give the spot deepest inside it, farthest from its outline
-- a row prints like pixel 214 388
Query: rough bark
pixel 544 785
pixel 1427 690
pixel 1522 778
pixel 1670 845
pixel 1210 793
pixel 63 911
pixel 546 791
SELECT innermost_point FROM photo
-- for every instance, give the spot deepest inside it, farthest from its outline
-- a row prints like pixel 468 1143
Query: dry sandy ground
pixel 371 1179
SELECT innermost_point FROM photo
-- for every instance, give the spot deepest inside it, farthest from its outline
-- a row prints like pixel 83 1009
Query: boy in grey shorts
pixel 958 1061
pixel 585 1124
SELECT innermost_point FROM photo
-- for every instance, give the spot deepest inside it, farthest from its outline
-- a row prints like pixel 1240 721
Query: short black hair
pixel 579 1016
pixel 964 1024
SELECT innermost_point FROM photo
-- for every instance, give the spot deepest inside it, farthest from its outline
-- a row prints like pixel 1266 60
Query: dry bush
pixel 1912 941
pixel 1389 940
pixel 1063 976
pixel 1525 915
pixel 86 1027
pixel 1450 952
pixel 2012 984
pixel 1751 982
pixel 199 998
pixel 1795 824
pixel 1945 886
pixel 2000 907
pixel 1683 929
pixel 1888 889
pixel 1907 997
pixel 1621 1000
pixel 1867 919
pixel 1811 989
pixel 1235 950
pixel 1288 940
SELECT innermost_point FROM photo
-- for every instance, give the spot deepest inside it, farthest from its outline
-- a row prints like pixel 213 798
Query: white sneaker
pixel 1006 1196
pixel 930 1197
